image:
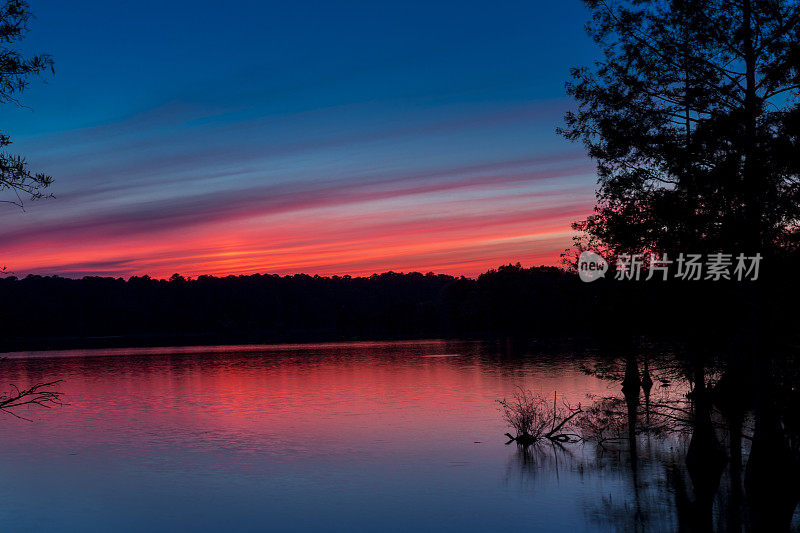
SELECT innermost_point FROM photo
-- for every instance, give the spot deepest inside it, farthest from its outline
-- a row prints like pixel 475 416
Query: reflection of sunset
pixel 329 393
pixel 253 437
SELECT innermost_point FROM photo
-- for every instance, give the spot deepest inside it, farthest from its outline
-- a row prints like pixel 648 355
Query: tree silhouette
pixel 15 72
pixel 693 119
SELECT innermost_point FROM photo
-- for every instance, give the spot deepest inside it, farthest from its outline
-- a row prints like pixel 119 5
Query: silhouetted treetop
pixel 692 117
pixel 16 70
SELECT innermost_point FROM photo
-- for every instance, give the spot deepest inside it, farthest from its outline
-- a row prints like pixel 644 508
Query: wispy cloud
pixel 328 191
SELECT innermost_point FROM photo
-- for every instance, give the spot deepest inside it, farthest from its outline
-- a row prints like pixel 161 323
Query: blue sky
pixel 182 136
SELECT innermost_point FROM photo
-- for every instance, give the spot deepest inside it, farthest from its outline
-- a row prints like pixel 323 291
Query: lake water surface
pixel 332 437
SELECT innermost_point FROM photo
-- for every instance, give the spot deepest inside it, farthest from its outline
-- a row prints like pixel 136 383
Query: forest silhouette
pixel 545 303
pixel 95 311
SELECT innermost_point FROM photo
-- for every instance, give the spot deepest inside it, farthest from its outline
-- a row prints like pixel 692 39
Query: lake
pixel 394 436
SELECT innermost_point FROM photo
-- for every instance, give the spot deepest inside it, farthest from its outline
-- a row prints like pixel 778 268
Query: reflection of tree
pixel 705 459
pixel 740 420
pixel 646 504
pixel 666 409
pixel 773 469
pixel 544 456
pixel 644 436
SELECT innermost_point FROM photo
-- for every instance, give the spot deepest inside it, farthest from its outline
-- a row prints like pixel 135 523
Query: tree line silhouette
pixel 510 301
pixel 51 311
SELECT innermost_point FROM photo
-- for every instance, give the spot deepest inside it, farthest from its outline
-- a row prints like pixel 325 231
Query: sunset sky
pixel 238 137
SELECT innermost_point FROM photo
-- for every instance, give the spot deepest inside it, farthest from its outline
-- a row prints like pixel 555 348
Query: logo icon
pixel 591 266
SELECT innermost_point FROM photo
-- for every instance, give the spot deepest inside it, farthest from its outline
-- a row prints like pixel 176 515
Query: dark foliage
pixel 692 117
pixel 511 301
pixel 15 71
pixel 54 311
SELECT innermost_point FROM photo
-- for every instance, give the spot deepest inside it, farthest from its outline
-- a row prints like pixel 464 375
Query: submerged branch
pixel 39 394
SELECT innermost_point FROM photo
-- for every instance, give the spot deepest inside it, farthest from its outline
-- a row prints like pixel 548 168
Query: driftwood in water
pixel 40 394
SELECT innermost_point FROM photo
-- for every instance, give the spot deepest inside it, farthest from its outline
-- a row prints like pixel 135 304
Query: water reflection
pixel 704 443
pixel 400 437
